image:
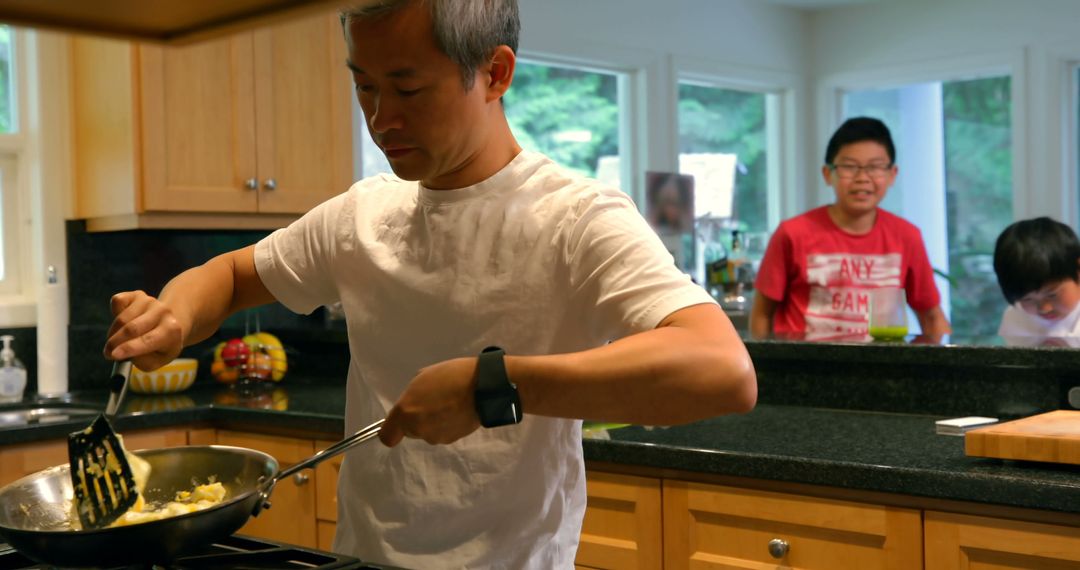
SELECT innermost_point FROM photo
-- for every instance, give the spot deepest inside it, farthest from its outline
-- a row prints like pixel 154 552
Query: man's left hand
pixel 438 406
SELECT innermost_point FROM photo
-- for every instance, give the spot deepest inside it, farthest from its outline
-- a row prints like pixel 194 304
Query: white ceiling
pixel 821 4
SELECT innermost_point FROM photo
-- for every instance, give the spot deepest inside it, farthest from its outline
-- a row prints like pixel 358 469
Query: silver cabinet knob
pixel 251 184
pixel 270 184
pixel 778 548
pixel 303 478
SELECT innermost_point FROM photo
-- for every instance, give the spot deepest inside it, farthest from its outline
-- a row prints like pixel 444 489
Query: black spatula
pixel 101 477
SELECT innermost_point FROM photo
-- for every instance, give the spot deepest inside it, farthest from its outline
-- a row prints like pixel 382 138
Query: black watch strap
pixel 497 401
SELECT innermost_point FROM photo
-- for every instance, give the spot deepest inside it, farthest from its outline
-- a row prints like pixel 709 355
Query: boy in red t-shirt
pixel 820 267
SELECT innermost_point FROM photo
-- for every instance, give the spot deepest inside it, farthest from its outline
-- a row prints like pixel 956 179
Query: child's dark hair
pixel 1031 253
pixel 859 129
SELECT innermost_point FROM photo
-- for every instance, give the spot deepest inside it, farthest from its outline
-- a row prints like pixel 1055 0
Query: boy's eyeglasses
pixel 849 171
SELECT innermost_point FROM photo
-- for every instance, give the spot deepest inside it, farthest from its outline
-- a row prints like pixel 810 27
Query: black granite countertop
pixel 300 409
pixel 869 451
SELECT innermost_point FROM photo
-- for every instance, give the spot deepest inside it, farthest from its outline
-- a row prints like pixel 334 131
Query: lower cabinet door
pixel 20 460
pixel 622 523
pixel 713 527
pixel 326 477
pixel 971 542
pixel 291 518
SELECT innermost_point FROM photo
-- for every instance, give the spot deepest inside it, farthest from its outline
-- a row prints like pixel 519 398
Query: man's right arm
pixel 152 331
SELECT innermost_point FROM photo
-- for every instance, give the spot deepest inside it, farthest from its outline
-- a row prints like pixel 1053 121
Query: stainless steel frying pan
pixel 35 511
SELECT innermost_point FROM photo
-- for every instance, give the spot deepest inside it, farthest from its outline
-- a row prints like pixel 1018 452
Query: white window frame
pixel 17 299
pixel 41 155
pixel 1060 120
pixel 830 97
pixel 624 98
pixel 1012 63
pixel 622 102
pixel 637 71
pixel 784 184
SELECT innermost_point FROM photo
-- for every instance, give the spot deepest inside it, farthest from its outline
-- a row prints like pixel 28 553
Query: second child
pixel 1037 263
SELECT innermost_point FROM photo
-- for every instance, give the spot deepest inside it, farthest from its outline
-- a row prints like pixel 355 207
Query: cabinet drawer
pixel 326 535
pixel 155 439
pixel 622 523
pixel 326 477
pixel 712 526
pixel 292 515
pixel 963 541
pixel 18 461
pixel 286 450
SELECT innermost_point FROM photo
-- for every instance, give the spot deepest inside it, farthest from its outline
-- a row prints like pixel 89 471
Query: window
pixel 7 91
pixel 1076 126
pixel 569 114
pixel 954 151
pixel 722 143
pixel 9 147
pixel 368 158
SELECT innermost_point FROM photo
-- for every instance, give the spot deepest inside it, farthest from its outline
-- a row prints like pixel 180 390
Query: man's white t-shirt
pixel 535 260
pixel 1016 322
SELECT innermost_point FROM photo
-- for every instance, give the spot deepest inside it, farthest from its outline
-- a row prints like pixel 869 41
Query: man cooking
pixel 474 243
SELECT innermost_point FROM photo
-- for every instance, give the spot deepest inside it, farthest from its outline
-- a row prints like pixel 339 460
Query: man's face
pixel 417 110
pixel 861 174
pixel 1053 300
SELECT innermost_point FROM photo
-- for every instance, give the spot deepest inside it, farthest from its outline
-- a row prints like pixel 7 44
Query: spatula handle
pixel 118 386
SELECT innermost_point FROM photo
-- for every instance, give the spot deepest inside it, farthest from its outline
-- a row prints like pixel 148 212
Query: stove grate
pixel 232 553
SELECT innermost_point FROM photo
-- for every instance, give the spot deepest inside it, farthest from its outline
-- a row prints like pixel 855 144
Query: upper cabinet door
pixel 198 126
pixel 303 114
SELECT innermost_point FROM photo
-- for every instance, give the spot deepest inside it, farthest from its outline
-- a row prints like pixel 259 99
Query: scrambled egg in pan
pixel 199 498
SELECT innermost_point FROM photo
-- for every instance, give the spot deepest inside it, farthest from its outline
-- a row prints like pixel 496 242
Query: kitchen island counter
pixel 887 453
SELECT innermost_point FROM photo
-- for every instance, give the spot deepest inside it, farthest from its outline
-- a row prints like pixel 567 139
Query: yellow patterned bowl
pixel 175 376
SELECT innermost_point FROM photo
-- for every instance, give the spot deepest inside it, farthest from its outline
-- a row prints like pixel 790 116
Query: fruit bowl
pixel 258 357
pixel 175 376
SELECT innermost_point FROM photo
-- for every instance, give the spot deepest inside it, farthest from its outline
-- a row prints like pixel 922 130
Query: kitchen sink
pixel 39 413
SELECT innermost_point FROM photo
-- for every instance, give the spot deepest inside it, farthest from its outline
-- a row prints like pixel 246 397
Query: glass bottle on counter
pixel 715 257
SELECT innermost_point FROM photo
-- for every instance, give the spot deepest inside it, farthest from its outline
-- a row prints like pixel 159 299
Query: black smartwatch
pixel 497 401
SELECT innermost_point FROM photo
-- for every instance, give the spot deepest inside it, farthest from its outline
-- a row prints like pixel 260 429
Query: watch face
pixel 498 411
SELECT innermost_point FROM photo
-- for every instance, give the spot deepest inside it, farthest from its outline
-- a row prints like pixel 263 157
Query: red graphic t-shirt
pixel 821 275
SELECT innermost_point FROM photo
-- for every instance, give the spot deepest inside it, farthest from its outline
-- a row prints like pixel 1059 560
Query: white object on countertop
pixel 957 426
pixel 12 373
pixel 52 339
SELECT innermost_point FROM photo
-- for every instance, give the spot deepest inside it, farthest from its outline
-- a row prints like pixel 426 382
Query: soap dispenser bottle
pixel 12 373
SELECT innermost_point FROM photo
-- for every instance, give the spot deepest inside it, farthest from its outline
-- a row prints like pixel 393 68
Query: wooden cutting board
pixel 1053 436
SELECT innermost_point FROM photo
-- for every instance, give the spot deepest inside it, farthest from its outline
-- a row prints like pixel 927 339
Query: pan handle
pixel 353 440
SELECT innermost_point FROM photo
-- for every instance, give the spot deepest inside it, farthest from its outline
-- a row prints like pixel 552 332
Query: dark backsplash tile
pixel 102 264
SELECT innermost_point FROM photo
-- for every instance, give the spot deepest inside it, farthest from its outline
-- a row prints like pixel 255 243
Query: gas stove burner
pixel 233 553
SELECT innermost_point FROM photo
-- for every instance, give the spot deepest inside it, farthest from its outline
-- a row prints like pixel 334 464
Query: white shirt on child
pixel 1016 322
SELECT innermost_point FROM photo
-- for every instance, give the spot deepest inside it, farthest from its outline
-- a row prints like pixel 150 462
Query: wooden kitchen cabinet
pixel 326 478
pixel 17 461
pixel 713 526
pixel 622 526
pixel 291 517
pixel 246 131
pixel 955 541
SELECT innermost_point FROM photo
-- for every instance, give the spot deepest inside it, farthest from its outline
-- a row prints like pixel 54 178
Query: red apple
pixel 235 353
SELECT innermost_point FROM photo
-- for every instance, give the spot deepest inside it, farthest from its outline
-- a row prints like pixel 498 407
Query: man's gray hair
pixel 467 31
